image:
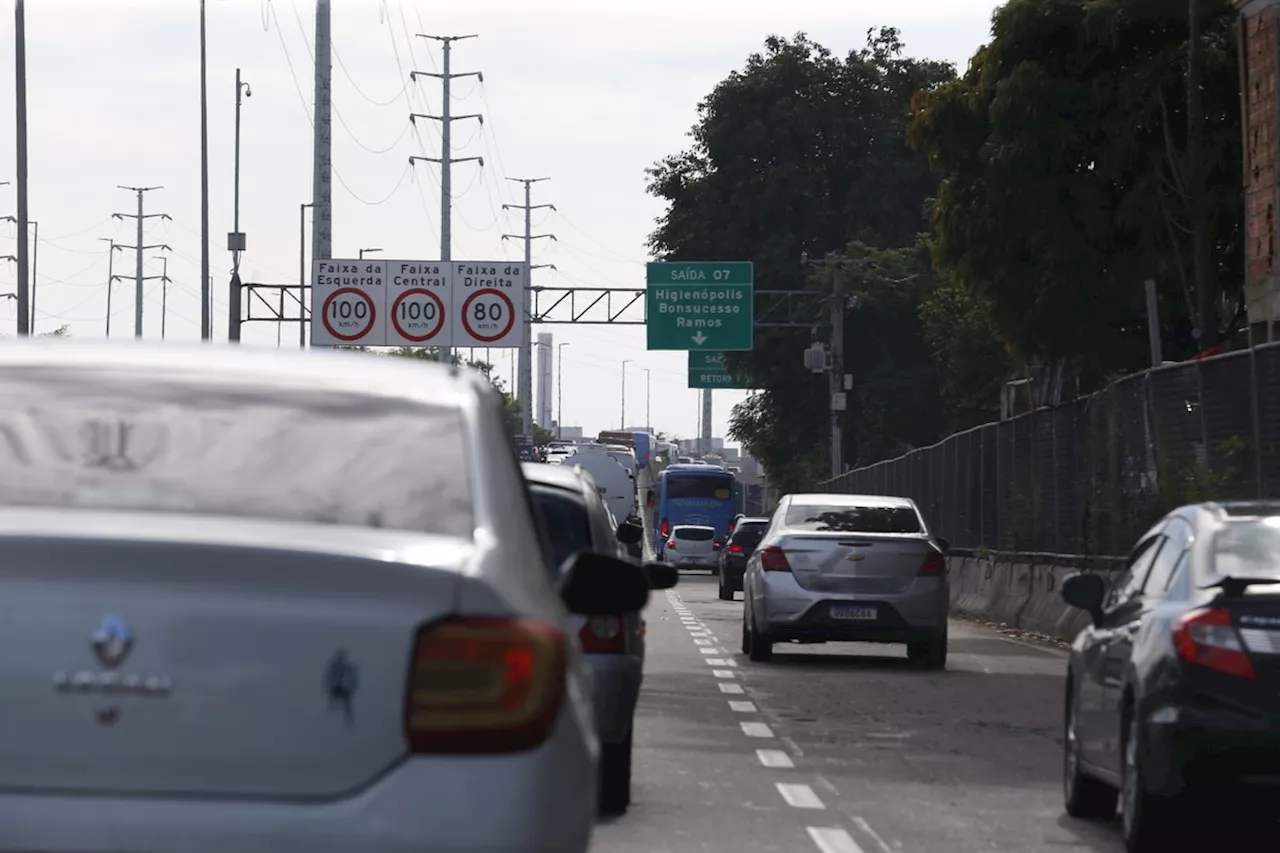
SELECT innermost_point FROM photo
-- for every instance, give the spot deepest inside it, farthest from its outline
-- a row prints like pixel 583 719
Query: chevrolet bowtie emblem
pixel 853 558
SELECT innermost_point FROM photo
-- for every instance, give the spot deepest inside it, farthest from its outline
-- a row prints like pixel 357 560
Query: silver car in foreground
pixel 577 520
pixel 272 602
pixel 853 568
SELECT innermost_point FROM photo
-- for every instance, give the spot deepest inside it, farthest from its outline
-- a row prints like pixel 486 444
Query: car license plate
pixel 853 613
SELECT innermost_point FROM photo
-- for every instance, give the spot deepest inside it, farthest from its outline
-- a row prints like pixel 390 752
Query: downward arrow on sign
pixel 699 339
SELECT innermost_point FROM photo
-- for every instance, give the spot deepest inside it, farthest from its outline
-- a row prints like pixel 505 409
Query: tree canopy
pixel 1068 170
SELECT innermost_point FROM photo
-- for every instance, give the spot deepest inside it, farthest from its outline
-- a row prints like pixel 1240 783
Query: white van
pixel 617 485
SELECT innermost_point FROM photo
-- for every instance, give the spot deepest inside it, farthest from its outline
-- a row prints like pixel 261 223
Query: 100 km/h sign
pixel 702 305
pixel 417 303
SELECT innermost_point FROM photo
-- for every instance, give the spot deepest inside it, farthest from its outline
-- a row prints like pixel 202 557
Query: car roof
pixel 743 521
pixel 406 378
pixel 837 499
pixel 571 477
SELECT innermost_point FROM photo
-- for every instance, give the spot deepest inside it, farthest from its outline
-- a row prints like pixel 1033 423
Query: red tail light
pixel 664 529
pixel 671 543
pixel 934 565
pixel 715 546
pixel 484 685
pixel 735 548
pixel 1206 637
pixel 772 559
pixel 603 635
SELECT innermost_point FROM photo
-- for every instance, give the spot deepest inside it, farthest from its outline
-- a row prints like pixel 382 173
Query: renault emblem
pixel 113 641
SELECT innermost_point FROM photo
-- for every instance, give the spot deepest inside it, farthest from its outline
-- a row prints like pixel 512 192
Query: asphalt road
pixel 843 748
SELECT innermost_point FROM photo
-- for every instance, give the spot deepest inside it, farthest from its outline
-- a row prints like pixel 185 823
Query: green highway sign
pixel 700 305
pixel 708 370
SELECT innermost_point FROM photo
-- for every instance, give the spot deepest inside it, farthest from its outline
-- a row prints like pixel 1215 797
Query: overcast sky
pixel 586 93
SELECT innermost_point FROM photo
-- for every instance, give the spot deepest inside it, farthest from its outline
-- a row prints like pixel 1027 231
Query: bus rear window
pixel 707 488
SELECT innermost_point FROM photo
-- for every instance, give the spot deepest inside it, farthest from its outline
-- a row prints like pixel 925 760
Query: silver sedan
pixel 853 568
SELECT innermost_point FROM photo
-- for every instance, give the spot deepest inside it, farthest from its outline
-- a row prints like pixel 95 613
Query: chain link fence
pixel 1090 476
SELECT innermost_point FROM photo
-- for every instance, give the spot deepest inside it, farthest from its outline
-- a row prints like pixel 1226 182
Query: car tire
pixel 1084 796
pixel 930 654
pixel 759 647
pixel 726 592
pixel 1148 823
pixel 615 776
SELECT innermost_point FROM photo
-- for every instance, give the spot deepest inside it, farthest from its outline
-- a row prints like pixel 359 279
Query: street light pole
pixel 648 386
pixel 206 283
pixel 111 261
pixel 560 389
pixel 235 240
pixel 623 425
pixel 302 279
pixel 20 104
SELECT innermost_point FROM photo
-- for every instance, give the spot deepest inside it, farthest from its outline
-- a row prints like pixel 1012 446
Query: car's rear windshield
pixel 119 440
pixel 695 534
pixel 707 487
pixel 1249 549
pixel 853 519
pixel 749 535
pixel 566 522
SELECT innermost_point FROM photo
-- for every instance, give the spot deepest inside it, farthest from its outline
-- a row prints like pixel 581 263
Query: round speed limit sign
pixel 488 315
pixel 348 313
pixel 417 314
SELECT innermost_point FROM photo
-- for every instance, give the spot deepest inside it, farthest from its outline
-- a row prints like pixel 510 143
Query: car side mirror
pixel 944 544
pixel 592 583
pixel 629 533
pixel 1086 591
pixel 662 575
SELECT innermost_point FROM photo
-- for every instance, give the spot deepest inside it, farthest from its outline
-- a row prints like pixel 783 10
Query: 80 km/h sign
pixel 349 313
pixel 418 315
pixel 488 315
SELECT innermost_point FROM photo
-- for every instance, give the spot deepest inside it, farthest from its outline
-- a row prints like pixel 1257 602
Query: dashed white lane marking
pixel 707 651
pixel 832 839
pixel 698 641
pixel 775 758
pixel 743 707
pixel 721 661
pixel 756 730
pixel 799 796
pixel 722 673
pixel 730 687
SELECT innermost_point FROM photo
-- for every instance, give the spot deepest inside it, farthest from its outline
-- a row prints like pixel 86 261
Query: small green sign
pixel 703 305
pixel 708 370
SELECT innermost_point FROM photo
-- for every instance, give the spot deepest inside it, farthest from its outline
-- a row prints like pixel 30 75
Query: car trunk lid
pixel 866 564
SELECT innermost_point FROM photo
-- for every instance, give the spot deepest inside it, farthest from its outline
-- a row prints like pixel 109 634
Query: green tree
pixel 1066 180
pixel 801 151
pixel 971 360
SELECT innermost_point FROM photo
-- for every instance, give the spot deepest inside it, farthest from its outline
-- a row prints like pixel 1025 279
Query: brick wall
pixel 1261 76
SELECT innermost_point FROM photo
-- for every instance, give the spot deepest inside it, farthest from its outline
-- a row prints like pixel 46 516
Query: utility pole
pixel 623 417
pixel 235 240
pixel 524 387
pixel 704 438
pixel 322 158
pixel 837 266
pixel 560 389
pixel 648 386
pixel 20 105
pixel 35 255
pixel 206 283
pixel 164 293
pixel 446 158
pixel 111 261
pixel 138 248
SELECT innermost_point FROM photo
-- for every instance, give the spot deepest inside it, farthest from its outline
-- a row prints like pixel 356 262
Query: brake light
pixel 602 635
pixel 735 548
pixel 671 543
pixel 484 685
pixel 1206 637
pixel 664 529
pixel 715 546
pixel 772 559
pixel 934 565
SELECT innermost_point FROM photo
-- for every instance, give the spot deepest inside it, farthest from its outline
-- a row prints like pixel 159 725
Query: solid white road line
pixel 774 758
pixel 722 673
pixel 799 796
pixel 730 687
pixel 756 730
pixel 833 840
pixel 743 707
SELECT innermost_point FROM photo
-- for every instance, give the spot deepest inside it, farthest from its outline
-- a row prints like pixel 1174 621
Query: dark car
pixel 1173 690
pixel 747 533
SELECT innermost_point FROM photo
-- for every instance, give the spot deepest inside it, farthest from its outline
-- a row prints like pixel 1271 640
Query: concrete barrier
pixel 1016 590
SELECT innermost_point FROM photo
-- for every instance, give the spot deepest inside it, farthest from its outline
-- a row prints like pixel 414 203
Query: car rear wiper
pixel 1234 587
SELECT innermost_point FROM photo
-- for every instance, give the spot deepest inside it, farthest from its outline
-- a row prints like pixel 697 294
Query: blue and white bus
pixel 692 494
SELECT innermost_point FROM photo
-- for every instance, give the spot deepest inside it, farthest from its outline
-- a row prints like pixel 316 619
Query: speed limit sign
pixel 417 314
pixel 488 316
pixel 349 314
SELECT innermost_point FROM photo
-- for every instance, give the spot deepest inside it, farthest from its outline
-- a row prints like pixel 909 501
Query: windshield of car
pixel 117 440
pixel 1249 549
pixel 699 486
pixel 566 521
pixel 821 518
pixel 749 535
